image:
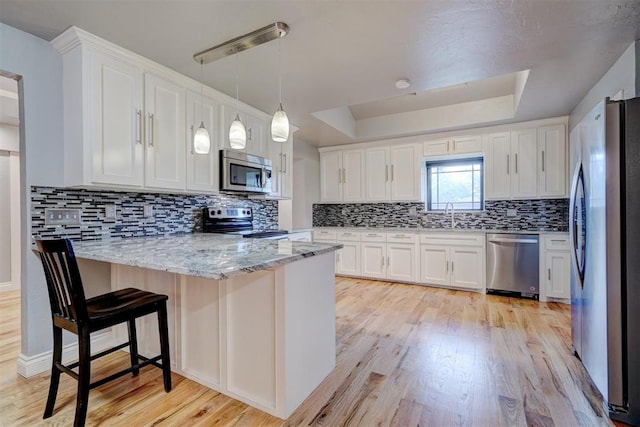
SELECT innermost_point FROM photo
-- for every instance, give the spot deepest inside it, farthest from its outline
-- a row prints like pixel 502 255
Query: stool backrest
pixel 66 294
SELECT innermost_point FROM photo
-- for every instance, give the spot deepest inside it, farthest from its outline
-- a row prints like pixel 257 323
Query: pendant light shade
pixel 280 126
pixel 201 140
pixel 237 134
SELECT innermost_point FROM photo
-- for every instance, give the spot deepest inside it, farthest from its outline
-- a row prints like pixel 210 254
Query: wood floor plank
pixel 406 355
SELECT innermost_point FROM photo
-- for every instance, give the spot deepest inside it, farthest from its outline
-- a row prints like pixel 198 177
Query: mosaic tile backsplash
pixel 172 214
pixel 535 215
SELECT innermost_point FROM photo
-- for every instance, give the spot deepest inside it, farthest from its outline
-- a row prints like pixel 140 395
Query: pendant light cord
pixel 280 71
pixel 237 90
pixel 201 92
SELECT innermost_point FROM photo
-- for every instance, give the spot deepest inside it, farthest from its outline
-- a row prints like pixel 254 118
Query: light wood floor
pixel 406 356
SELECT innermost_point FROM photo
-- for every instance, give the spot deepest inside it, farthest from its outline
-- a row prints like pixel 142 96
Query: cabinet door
pixel 404 173
pixel 374 258
pixel 557 274
pixel 228 115
pixel 524 153
pixel 257 136
pixel 552 175
pixel 116 121
pixel 434 265
pixel 349 259
pixel 466 144
pixel 466 267
pixel 436 148
pixel 202 169
pixel 353 175
pixel 497 169
pixel 331 176
pixel 281 155
pixel 377 174
pixel 402 262
pixel 165 133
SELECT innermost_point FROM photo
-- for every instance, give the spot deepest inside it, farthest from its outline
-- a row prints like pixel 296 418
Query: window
pixel 458 181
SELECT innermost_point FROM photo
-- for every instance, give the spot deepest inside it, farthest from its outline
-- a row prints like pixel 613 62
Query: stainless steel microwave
pixel 244 173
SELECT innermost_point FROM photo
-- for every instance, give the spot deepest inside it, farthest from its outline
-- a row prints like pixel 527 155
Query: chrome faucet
pixel 453 211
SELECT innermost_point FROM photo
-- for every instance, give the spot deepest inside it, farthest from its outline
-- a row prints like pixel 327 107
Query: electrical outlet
pixel 147 211
pixel 62 216
pixel 110 212
pixel 512 212
pixel 413 211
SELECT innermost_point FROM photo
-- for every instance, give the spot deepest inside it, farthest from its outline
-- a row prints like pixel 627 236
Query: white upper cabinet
pixel 281 155
pixel 552 158
pixel 524 151
pixel 113 121
pixel 497 149
pixel 165 133
pixel 202 169
pixel 526 164
pixel 454 145
pixel 393 173
pixel 342 176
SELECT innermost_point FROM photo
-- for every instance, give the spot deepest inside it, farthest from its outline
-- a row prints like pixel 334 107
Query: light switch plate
pixel 54 216
pixel 147 211
pixel 512 212
pixel 110 212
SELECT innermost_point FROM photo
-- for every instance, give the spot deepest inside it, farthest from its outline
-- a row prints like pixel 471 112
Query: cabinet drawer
pixel 350 236
pixel 374 237
pixel 401 237
pixel 556 242
pixel 324 235
pixel 452 239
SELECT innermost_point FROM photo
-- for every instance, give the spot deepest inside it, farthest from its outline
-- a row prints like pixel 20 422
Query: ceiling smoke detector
pixel 403 84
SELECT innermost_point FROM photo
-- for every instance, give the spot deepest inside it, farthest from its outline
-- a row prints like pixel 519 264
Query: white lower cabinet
pixel 348 259
pixel 555 263
pixel 453 259
pixel 374 257
pixel 401 262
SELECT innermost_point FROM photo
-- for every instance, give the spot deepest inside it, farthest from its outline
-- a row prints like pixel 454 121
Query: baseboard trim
pixel 29 366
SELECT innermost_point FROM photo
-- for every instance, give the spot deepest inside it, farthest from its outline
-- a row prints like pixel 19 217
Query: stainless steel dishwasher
pixel 513 262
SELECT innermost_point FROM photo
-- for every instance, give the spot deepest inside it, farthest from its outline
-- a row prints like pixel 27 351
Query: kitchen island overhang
pixel 253 319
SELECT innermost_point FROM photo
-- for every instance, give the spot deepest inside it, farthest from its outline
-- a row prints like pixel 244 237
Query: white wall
pixel 39 67
pixel 620 77
pixel 9 207
pixel 5 221
pixel 306 183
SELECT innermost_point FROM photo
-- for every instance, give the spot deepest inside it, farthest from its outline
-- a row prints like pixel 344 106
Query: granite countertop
pixel 440 230
pixel 212 256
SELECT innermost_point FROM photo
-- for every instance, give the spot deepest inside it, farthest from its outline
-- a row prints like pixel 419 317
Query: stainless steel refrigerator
pixel 604 226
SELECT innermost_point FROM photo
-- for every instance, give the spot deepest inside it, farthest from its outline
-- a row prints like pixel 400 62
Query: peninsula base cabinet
pixel 266 338
pixel 453 260
pixel 555 264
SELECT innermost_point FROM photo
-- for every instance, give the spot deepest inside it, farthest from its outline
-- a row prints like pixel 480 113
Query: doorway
pixel 10 224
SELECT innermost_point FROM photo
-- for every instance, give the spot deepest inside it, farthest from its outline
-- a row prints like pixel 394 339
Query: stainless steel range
pixel 238 221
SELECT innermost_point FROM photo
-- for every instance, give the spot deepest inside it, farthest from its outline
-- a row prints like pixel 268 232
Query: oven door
pixel 247 177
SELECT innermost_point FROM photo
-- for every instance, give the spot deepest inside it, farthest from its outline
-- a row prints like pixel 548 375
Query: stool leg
pixel 55 372
pixel 84 376
pixel 164 346
pixel 133 345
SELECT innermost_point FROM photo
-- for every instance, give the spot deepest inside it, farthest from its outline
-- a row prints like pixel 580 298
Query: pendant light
pixel 280 121
pixel 201 140
pixel 237 132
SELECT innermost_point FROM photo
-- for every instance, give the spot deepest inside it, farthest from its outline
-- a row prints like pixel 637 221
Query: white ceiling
pixel 347 55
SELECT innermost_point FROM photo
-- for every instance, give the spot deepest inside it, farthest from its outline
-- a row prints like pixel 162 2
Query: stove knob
pixel 219 212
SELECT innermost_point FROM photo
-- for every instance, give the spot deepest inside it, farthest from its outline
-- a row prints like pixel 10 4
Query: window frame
pixel 459 161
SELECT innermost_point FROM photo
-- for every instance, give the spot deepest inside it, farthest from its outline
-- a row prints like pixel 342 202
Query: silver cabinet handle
pixel 386 173
pixel 344 176
pixel 507 164
pixel 400 236
pixel 150 130
pixel 391 172
pixel 542 160
pixel 549 270
pixel 387 260
pixel 249 134
pixel 284 163
pixel 516 162
pixel 452 266
pixel 191 140
pixel 139 126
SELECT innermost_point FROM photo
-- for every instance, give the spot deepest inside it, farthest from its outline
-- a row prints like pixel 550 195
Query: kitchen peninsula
pixel 253 319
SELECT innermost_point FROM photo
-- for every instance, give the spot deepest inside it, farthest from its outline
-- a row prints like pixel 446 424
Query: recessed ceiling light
pixel 402 84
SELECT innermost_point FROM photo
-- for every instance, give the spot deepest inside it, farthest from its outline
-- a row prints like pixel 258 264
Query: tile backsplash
pixel 546 214
pixel 172 213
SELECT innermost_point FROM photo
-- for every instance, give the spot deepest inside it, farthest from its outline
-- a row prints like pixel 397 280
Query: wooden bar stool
pixel 70 310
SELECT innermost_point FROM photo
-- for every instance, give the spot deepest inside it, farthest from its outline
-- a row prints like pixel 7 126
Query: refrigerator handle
pixel 574 231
